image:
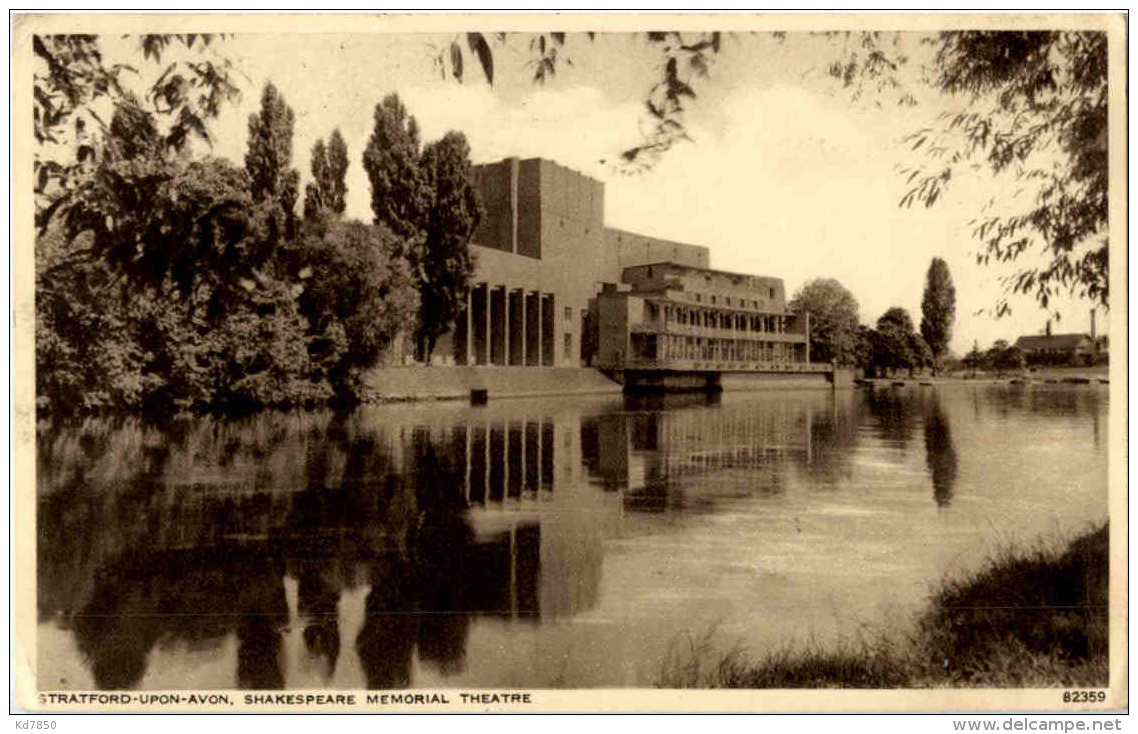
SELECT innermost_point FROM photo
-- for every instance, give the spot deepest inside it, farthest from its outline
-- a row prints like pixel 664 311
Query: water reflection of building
pixel 431 526
pixel 507 458
pixel 668 458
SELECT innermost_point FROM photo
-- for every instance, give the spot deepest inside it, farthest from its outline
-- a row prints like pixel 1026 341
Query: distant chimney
pixel 1048 327
pixel 1094 332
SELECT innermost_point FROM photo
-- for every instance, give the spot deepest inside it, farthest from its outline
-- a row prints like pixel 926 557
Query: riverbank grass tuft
pixel 1033 617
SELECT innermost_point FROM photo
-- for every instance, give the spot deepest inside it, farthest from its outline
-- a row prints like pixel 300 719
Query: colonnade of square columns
pixel 508 458
pixel 506 326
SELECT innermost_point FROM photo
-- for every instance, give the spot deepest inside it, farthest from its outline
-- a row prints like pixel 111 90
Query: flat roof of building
pixel 1055 341
pixel 630 233
pixel 533 159
pixel 697 269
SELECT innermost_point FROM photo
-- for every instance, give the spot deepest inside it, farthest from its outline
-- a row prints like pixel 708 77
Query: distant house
pixel 1079 350
pixel 1058 349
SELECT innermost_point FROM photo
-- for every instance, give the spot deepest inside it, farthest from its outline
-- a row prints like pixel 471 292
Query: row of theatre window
pixel 727 300
pixel 672 346
pixel 725 320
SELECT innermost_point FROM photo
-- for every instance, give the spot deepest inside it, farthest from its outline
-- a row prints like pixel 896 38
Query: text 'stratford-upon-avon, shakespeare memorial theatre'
pixel 554 287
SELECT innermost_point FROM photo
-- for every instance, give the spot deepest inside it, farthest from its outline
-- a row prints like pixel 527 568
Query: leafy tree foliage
pixel 102 342
pixel 974 360
pixel 938 308
pixel 153 216
pixel 1034 96
pixel 254 355
pixel 146 259
pixel 268 160
pixel 154 289
pixel 834 320
pixel 73 304
pixel 1001 357
pixel 358 293
pixel 922 353
pixel 445 263
pixel 313 191
pixel 399 194
pixel 328 190
pixel 73 87
pixel 169 282
pixel 895 344
pixel 427 199
pixel 1006 358
pixel 864 348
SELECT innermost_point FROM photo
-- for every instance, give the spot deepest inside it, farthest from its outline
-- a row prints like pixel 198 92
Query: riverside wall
pixel 449 383
pixel 456 383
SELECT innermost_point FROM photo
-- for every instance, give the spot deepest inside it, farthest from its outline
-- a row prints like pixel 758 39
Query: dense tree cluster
pixel 895 345
pixel 892 344
pixel 327 192
pixel 169 281
pixel 1001 357
pixel 426 196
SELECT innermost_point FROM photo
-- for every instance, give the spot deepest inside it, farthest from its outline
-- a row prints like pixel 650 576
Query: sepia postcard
pixel 576 362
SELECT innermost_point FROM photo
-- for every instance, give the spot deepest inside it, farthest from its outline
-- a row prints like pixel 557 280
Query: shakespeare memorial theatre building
pixel 548 271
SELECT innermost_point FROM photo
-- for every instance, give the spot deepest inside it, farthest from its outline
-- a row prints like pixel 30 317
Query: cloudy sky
pixel 786 175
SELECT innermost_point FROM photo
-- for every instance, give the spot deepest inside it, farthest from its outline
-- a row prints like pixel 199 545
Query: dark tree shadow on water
pixel 263 614
pixel 317 600
pixel 940 451
pixel 895 411
pixel 138 561
pixel 387 639
pixel 116 652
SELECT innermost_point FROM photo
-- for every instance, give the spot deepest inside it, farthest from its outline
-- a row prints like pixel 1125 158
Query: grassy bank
pixel 1033 617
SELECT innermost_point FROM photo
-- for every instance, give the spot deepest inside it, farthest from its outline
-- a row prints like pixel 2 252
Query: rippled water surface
pixel 533 543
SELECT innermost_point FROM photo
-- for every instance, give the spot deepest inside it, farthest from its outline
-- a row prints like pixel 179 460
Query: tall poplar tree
pixel 399 194
pixel 268 161
pixel 444 262
pixel 328 190
pixel 938 308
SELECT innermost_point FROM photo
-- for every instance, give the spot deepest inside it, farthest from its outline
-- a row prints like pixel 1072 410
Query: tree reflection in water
pixel 318 598
pixel 161 562
pixel 940 451
pixel 895 410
